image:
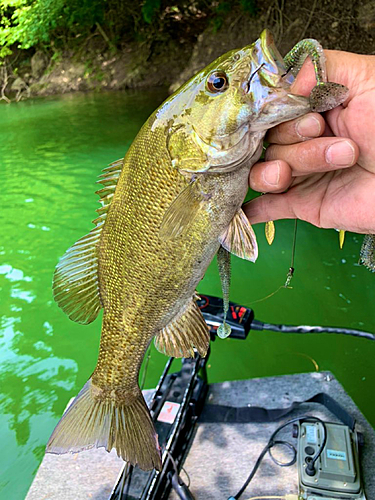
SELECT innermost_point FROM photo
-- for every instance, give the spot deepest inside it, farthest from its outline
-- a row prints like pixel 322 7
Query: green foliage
pixel 28 23
pixel 58 23
pixel 149 9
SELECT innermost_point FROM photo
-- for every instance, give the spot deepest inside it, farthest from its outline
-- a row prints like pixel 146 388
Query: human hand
pixel 327 164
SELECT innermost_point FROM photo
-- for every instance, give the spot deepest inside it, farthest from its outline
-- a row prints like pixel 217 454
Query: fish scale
pixel 166 210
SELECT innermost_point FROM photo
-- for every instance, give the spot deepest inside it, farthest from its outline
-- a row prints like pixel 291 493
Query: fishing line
pixel 289 276
pixel 252 76
pixel 269 295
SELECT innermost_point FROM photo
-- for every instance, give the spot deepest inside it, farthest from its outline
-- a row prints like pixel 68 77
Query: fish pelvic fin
pixel 94 421
pixel 186 331
pixel 75 282
pixel 239 239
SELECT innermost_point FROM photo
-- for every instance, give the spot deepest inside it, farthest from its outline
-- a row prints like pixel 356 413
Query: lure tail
pixel 104 422
pixel 327 95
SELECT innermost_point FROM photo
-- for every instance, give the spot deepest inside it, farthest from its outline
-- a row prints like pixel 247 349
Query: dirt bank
pixel 95 65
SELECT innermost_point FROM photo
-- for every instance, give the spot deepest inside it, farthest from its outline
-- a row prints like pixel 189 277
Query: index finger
pixel 298 130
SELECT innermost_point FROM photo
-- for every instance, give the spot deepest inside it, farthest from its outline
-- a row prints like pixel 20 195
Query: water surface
pixel 51 152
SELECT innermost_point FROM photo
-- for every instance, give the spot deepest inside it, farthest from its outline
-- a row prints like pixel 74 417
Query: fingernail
pixel 308 126
pixel 340 154
pixel 271 174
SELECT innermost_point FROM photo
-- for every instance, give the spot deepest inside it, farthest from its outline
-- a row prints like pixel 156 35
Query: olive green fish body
pixel 166 209
pixel 140 300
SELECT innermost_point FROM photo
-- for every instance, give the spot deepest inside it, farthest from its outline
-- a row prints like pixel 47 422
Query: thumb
pixel 351 70
pixel 269 207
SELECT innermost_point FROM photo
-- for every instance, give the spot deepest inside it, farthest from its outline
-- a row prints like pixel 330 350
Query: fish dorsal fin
pixel 186 331
pixel 239 239
pixel 181 212
pixel 75 282
pixel 108 179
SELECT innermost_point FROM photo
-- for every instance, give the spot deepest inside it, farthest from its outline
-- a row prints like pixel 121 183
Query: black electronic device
pixel 239 317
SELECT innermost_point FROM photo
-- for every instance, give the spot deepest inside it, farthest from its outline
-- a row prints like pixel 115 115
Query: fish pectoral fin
pixel 186 331
pixel 181 212
pixel 239 239
pixel 93 421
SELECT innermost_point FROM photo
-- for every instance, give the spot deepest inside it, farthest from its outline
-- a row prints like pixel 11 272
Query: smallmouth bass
pixel 168 207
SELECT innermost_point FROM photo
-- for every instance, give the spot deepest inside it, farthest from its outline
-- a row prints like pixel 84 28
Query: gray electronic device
pixel 336 474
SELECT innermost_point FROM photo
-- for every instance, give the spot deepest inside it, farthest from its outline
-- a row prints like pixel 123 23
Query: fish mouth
pixel 269 63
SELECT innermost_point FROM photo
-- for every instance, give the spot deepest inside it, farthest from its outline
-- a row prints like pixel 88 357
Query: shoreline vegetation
pixel 60 46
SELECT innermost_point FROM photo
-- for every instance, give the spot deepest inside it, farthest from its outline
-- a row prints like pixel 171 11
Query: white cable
pixel 273 497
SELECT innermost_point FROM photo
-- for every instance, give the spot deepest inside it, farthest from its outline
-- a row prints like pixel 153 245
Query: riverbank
pixel 95 64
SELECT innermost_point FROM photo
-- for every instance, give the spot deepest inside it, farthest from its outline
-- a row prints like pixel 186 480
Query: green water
pixel 51 152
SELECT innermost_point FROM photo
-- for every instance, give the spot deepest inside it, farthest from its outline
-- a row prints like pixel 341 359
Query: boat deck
pixel 221 455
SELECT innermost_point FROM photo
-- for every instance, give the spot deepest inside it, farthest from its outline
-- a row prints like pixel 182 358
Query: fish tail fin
pixel 91 421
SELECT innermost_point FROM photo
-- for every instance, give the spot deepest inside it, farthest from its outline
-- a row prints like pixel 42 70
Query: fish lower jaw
pixel 287 108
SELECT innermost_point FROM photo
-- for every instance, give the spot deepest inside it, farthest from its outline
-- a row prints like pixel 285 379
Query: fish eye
pixel 217 82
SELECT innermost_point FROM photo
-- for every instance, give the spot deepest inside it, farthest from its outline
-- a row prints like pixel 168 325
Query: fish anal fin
pixel 239 239
pixel 186 331
pixel 94 421
pixel 181 212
